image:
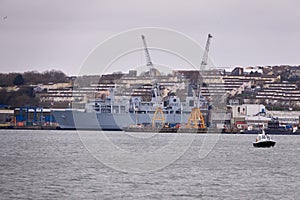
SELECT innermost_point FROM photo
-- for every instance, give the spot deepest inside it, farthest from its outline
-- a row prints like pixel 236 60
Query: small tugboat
pixel 264 140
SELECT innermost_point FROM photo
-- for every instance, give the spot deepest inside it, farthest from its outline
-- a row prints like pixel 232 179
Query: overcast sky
pixel 55 34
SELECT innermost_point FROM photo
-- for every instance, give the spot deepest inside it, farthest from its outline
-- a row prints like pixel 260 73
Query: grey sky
pixel 41 35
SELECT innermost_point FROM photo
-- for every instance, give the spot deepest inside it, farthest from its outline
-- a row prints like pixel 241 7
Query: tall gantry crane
pixel 205 54
pixel 158 114
pixel 148 59
pixel 203 65
pixel 196 119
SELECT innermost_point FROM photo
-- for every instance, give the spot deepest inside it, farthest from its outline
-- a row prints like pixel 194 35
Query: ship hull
pixel 73 119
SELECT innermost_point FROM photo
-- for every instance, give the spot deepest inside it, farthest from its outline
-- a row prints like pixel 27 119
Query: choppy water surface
pixel 56 165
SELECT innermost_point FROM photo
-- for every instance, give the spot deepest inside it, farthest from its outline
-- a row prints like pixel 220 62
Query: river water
pixel 60 165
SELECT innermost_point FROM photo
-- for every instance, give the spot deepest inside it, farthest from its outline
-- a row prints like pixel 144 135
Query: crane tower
pixel 205 54
pixel 196 119
pixel 148 58
pixel 158 114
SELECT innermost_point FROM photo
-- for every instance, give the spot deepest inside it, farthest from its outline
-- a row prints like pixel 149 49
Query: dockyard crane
pixel 158 114
pixel 203 66
pixel 150 64
pixel 196 119
pixel 151 72
pixel 148 58
pixel 205 54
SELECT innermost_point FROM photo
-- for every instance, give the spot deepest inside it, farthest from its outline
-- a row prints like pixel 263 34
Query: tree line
pixel 25 94
pixel 32 78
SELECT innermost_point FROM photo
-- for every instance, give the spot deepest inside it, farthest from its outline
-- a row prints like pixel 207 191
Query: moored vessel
pixel 113 112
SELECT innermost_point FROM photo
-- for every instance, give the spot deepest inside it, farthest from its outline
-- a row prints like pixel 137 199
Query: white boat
pixel 263 140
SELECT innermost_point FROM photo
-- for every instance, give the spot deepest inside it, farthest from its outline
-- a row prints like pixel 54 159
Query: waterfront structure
pixel 6 116
pixel 248 116
pixel 32 116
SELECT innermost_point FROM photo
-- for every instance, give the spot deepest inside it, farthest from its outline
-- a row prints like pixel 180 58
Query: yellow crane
pixel 158 117
pixel 158 114
pixel 196 119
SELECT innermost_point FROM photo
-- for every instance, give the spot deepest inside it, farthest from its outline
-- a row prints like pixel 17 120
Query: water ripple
pixel 55 165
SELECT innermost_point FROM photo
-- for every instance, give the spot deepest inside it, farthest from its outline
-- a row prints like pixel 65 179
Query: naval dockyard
pixel 254 95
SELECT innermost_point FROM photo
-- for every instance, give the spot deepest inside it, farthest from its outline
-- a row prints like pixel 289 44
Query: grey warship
pixel 115 112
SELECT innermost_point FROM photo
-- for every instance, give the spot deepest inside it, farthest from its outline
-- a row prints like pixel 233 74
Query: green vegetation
pixel 19 80
pixel 32 77
pixel 23 97
pixel 24 94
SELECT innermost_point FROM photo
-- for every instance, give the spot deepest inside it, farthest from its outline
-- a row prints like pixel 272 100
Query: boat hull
pixel 264 144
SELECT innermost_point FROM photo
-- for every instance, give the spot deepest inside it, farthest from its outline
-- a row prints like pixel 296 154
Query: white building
pixel 245 110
